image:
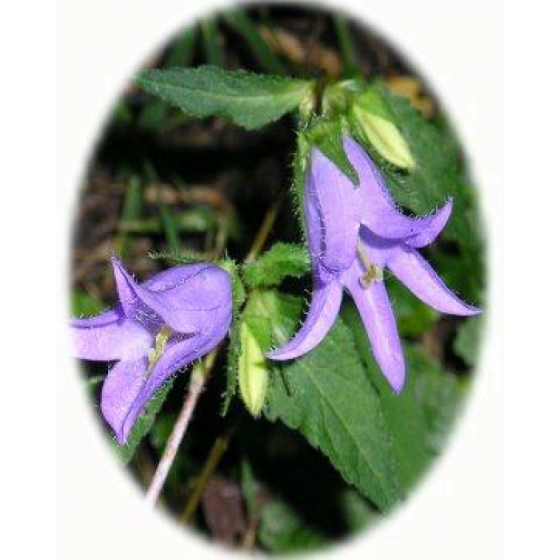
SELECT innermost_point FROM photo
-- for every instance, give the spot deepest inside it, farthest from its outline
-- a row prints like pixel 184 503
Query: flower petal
pixel 127 390
pixel 187 298
pixel 379 321
pixel 379 212
pixel 439 220
pixel 325 303
pixel 332 216
pixel 109 336
pixel 120 389
pixel 421 279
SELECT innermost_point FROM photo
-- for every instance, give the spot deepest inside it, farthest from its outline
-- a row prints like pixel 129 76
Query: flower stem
pixel 218 449
pixel 198 377
pixel 264 230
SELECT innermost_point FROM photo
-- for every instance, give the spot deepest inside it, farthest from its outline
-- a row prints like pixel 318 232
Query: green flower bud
pixel 384 136
pixel 253 375
pixel 375 121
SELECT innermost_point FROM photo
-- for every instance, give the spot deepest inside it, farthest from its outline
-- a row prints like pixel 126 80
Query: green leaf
pixel 413 316
pixel 331 401
pixel 326 135
pixel 280 261
pixel 436 176
pixel 153 114
pixel 358 512
pixel 83 304
pixel 282 530
pixel 403 413
pixel 267 58
pixel 181 54
pixel 422 415
pixel 143 425
pixel 346 44
pixel 467 343
pixel 170 229
pixel 211 42
pixel 249 100
pixel 132 208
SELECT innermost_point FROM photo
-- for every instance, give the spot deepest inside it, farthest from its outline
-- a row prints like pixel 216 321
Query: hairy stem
pixel 198 378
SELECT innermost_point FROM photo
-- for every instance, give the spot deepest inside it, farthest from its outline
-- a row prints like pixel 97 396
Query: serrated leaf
pixel 143 425
pixel 421 416
pixel 249 100
pixel 326 135
pixel 153 114
pixel 467 343
pixel 335 406
pixel 413 316
pixel 280 261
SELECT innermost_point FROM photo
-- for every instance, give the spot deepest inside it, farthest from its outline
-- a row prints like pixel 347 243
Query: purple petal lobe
pixel 379 321
pixel 128 388
pixel 439 220
pixel 331 214
pixel 325 304
pixel 421 279
pixel 109 336
pixel 186 298
pixel 120 389
pixel 379 212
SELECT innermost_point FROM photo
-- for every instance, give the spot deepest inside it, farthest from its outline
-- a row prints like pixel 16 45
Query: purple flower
pixel 157 328
pixel 354 233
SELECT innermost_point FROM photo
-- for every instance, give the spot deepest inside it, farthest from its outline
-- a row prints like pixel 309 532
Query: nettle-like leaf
pixel 413 317
pixel 282 260
pixel 143 425
pixel 327 396
pixel 249 100
pixel 420 417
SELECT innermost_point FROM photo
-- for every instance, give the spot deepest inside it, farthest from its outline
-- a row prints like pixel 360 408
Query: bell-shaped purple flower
pixel 353 234
pixel 157 328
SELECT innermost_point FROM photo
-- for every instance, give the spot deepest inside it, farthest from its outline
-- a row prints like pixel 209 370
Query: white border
pixel 457 513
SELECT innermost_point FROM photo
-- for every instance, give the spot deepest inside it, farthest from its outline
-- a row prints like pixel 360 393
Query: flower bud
pixel 384 136
pixel 253 375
